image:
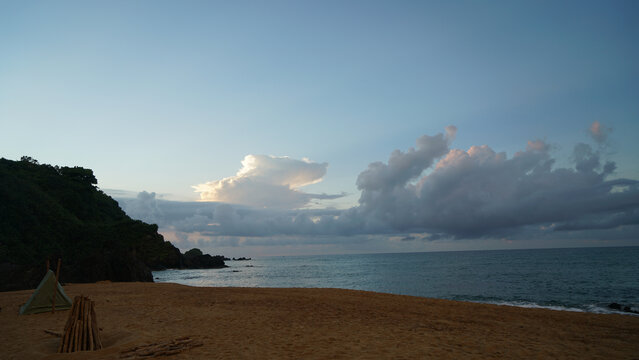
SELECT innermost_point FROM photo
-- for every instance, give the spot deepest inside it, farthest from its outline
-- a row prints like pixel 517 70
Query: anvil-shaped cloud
pixel 267 182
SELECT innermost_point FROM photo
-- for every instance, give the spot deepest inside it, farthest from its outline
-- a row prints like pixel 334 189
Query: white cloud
pixel 479 192
pixel 474 193
pixel 267 182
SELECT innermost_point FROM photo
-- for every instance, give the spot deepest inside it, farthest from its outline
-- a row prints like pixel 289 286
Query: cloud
pixel 268 182
pixel 403 167
pixel 479 192
pixel 599 133
pixel 429 192
pixel 145 206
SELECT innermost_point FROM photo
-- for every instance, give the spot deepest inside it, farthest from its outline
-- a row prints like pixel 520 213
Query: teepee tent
pixel 41 300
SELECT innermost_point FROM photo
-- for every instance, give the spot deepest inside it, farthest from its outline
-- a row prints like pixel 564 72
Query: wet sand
pixel 258 323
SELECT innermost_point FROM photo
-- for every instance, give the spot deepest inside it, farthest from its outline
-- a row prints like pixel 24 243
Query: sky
pixel 257 128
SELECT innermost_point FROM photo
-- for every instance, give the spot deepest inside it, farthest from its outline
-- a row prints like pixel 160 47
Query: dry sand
pixel 257 323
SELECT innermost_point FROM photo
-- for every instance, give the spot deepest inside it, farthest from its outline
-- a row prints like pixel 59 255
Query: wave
pixel 589 308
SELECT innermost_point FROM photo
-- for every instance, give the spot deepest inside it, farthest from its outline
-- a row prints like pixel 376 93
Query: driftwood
pixel 54 333
pixel 165 348
pixel 81 331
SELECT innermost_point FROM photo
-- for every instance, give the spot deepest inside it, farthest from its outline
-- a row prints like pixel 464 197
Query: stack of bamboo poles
pixel 163 348
pixel 81 331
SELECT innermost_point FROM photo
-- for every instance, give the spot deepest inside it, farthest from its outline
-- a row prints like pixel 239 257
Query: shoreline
pixel 601 308
pixel 262 323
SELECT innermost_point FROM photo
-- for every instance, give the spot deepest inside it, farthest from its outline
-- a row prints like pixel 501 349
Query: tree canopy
pixel 50 212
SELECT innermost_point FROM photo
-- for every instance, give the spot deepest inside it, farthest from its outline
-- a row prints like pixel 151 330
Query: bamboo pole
pixel 85 324
pixel 66 328
pixel 72 338
pixel 64 345
pixel 90 327
pixel 69 344
pixel 81 330
pixel 96 330
pixel 55 287
pixel 80 320
pixel 76 329
pixel 69 326
pixel 81 325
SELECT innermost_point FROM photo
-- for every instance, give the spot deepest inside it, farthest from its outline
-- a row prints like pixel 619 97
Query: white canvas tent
pixel 41 300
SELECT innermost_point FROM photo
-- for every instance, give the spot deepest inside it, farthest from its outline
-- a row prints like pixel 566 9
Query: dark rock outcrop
pixel 195 259
pixel 625 308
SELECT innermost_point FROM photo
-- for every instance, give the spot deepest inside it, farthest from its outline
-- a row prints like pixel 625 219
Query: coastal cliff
pixel 51 212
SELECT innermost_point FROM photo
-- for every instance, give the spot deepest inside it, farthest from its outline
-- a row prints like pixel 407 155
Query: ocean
pixel 576 279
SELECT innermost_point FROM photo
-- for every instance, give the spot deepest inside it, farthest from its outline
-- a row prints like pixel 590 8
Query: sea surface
pixel 579 279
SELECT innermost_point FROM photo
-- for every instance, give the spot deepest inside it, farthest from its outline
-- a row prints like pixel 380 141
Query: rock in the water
pixel 615 306
pixel 625 308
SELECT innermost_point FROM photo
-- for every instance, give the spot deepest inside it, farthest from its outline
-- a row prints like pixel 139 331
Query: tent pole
pixel 55 287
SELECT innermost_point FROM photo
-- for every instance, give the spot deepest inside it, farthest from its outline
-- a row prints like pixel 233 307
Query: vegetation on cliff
pixel 50 212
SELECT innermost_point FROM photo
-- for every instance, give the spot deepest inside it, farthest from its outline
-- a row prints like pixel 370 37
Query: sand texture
pixel 248 323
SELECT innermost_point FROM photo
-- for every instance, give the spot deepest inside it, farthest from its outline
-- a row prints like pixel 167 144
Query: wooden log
pixel 73 336
pixel 54 333
pixel 76 328
pixel 61 346
pixel 81 330
pixel 64 345
pixel 74 309
pixel 78 324
pixel 74 347
pixel 81 324
pixel 96 330
pixel 65 338
pixel 76 313
pixel 90 326
pixel 68 333
pixel 85 335
pixel 62 342
pixel 85 323
pixel 73 319
pixel 81 347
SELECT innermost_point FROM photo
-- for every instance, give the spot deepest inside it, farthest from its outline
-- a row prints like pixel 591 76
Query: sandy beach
pixel 258 323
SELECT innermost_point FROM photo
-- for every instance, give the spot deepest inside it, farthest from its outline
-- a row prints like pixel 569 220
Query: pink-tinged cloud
pixel 598 132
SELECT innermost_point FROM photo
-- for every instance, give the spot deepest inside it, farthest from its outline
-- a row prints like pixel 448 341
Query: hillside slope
pixel 49 212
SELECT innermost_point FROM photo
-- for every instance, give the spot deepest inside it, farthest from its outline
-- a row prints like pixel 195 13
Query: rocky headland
pixel 51 212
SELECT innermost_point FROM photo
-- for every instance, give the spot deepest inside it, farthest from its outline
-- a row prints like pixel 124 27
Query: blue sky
pixel 162 96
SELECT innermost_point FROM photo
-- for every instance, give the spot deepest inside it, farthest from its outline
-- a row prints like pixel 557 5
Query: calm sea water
pixel 583 279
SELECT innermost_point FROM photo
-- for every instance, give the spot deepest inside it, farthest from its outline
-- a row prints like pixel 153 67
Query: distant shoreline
pixel 450 251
